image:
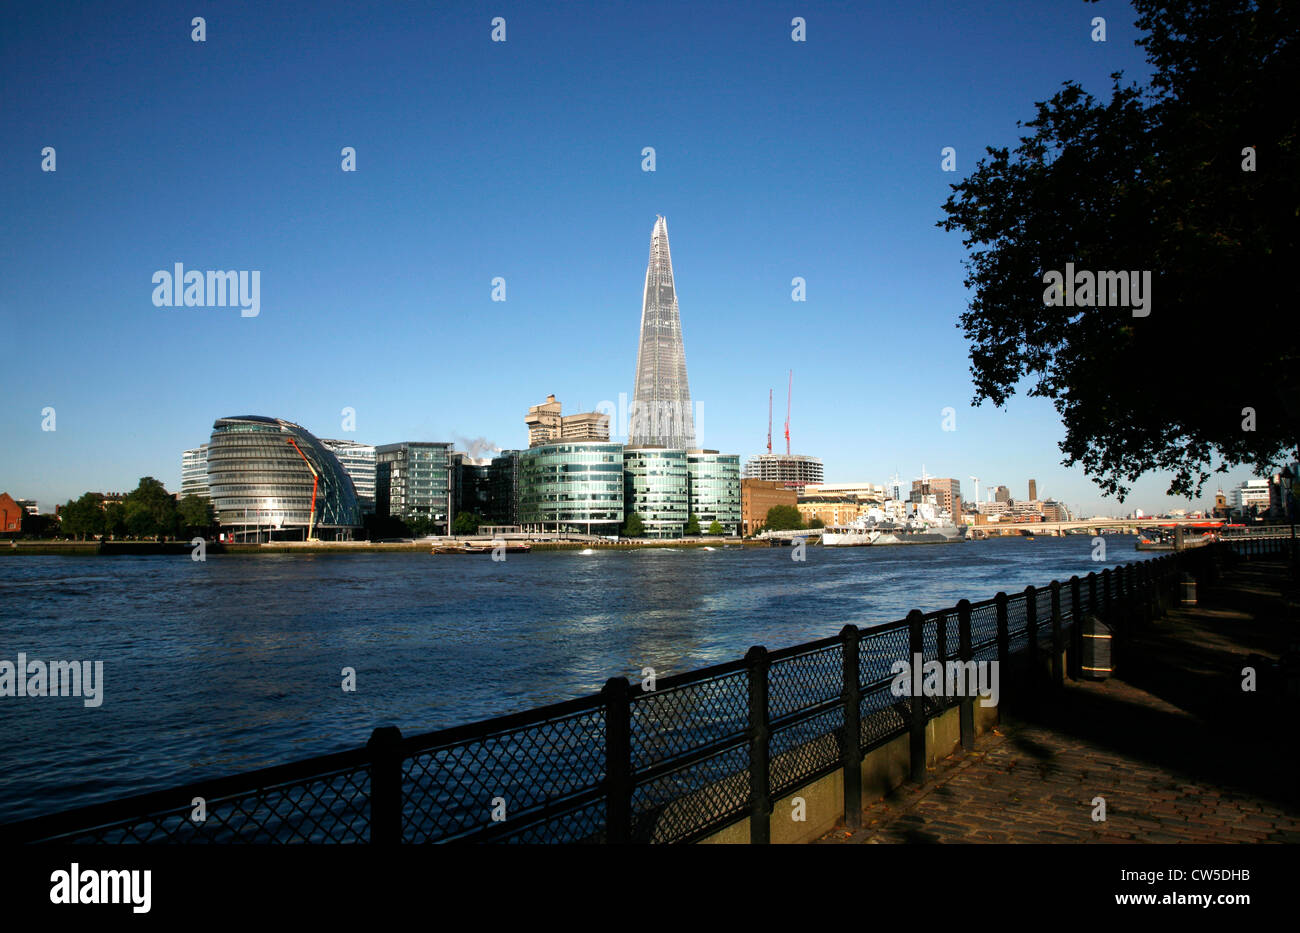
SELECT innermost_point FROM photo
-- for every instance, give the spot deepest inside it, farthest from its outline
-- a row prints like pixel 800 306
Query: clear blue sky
pixel 521 159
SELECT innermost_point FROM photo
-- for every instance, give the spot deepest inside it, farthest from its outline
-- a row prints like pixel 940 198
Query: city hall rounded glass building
pixel 260 476
pixel 656 486
pixel 574 486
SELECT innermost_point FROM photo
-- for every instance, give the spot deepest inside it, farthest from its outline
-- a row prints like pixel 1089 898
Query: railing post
pixel 1143 593
pixel 1153 593
pixel 384 747
pixel 916 646
pixel 852 729
pixel 1004 635
pixel 1076 629
pixel 1031 631
pixel 1058 645
pixel 760 788
pixel 1109 613
pixel 1107 600
pixel 966 655
pixel 618 761
pixel 1124 592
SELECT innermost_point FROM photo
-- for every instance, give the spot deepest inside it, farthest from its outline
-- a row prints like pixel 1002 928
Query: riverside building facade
pixel 194 472
pixel 572 486
pixel 713 480
pixel 757 496
pixel 261 476
pixel 656 487
pixel 503 488
pixel 359 461
pixel 414 480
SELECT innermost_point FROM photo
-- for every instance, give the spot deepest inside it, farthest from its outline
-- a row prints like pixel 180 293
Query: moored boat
pixel 477 547
pixel 923 525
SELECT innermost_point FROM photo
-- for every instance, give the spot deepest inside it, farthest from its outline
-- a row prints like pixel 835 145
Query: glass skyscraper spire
pixel 661 403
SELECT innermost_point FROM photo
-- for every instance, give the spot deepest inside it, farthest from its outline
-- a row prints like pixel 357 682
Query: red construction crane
pixel 769 420
pixel 789 393
pixel 315 480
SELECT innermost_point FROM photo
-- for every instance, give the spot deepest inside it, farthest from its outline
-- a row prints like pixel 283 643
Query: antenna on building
pixel 789 393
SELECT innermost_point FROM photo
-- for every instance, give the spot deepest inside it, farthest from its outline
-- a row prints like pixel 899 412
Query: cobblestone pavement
pixel 1173 748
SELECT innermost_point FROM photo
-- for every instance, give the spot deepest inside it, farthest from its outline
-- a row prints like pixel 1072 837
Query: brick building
pixel 759 495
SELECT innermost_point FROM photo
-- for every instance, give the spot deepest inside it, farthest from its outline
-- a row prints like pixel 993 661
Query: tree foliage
pixel 693 524
pixel 783 518
pixel 194 514
pixel 422 525
pixel 1152 179
pixel 84 517
pixel 150 510
pixel 39 526
pixel 715 527
pixel 466 523
pixel 634 526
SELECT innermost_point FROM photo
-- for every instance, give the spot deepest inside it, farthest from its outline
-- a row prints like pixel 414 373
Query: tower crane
pixel 788 395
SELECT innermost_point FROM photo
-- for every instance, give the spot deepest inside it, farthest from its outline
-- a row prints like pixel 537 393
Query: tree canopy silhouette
pixel 1193 178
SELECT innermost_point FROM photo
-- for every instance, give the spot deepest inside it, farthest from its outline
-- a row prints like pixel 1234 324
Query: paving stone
pixel 1147 741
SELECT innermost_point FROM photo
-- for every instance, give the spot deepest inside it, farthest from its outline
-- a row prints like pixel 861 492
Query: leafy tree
pixel 114 519
pixel 783 518
pixel 466 523
pixel 421 525
pixel 693 524
pixel 194 514
pixel 83 517
pixel 634 526
pixel 1157 178
pixel 715 528
pixel 39 526
pixel 150 510
pixel 816 522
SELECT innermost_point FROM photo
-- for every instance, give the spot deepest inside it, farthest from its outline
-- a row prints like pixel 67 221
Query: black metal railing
pixel 701 751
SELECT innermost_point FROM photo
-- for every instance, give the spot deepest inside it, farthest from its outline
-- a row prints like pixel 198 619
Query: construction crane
pixel 769 421
pixel 315 480
pixel 788 394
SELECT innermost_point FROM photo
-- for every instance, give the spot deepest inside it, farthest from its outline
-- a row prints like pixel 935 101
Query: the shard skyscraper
pixel 661 403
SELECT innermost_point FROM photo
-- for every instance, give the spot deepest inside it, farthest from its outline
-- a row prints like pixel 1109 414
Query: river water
pixel 235 663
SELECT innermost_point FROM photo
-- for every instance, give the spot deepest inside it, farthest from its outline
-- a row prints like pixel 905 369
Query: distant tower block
pixel 661 402
pixel 1033 490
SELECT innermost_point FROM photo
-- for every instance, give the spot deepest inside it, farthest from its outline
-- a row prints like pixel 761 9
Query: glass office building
pixel 656 486
pixel 715 489
pixel 573 486
pixel 473 485
pixel 194 472
pixel 260 478
pixel 503 488
pixel 359 460
pixel 414 479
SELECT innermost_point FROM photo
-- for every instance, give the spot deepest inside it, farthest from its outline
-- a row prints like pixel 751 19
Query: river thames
pixel 235 663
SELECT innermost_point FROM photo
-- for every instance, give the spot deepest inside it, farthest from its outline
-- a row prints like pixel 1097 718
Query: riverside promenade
pixel 1177 749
